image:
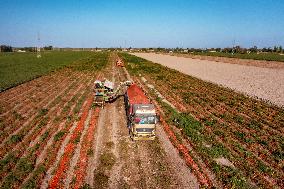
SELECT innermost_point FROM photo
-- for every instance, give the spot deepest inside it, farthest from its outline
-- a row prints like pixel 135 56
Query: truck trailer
pixel 141 114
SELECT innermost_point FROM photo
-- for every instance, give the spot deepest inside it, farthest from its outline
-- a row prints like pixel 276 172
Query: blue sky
pixel 142 23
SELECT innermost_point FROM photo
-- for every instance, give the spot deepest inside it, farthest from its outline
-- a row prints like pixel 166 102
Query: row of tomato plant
pixel 31 153
pixel 73 107
pixel 204 101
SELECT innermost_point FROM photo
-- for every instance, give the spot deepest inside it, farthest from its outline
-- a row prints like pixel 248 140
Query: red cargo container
pixel 135 95
pixel 141 114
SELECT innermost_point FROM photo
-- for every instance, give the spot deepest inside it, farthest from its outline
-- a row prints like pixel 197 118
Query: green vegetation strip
pixel 17 68
pixel 252 56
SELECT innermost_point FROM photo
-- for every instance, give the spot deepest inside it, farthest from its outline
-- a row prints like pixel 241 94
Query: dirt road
pixel 264 83
pixel 122 163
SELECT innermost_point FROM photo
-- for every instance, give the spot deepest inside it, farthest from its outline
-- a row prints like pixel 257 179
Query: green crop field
pixel 253 56
pixel 17 68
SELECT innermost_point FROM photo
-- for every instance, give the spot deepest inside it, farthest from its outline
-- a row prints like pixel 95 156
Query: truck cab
pixel 143 122
pixel 141 114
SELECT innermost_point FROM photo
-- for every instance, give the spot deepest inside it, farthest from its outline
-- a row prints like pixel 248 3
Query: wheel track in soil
pixel 96 148
pixel 181 108
pixel 114 176
pixel 141 153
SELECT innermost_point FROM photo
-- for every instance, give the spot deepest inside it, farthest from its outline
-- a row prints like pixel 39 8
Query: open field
pixel 17 68
pixel 252 56
pixel 53 137
pixel 265 83
pixel 239 139
pixel 233 60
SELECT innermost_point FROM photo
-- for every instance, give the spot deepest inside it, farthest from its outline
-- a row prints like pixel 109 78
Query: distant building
pixel 21 50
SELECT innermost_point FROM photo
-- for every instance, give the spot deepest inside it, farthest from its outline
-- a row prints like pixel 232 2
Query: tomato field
pixel 38 115
pixel 220 123
pixel 53 136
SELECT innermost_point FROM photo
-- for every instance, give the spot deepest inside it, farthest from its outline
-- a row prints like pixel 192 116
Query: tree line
pixel 7 48
pixel 236 49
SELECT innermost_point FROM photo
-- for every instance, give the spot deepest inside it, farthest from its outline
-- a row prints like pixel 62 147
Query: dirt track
pixel 141 164
pixel 264 83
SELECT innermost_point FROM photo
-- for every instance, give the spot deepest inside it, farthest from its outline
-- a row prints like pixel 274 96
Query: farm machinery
pixel 119 63
pixel 105 92
pixel 141 114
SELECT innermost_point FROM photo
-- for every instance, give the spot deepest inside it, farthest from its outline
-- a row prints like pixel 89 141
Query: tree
pixel 280 49
pixel 5 48
pixel 275 49
pixel 253 49
pixel 48 48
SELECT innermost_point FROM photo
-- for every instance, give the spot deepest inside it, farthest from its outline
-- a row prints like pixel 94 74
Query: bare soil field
pixel 246 62
pixel 256 81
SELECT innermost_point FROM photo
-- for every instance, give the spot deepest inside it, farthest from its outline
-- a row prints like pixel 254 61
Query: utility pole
pixel 38 54
pixel 234 41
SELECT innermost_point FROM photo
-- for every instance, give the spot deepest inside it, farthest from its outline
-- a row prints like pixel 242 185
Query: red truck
pixel 141 114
